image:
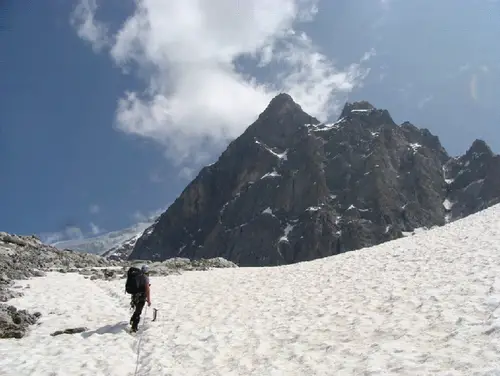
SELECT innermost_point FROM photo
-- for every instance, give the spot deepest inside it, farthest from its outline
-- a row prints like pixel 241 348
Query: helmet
pixel 145 269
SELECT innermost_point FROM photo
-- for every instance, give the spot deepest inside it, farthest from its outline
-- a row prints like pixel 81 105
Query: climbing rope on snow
pixel 140 340
pixel 175 315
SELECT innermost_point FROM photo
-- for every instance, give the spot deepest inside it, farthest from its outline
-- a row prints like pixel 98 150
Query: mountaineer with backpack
pixel 139 287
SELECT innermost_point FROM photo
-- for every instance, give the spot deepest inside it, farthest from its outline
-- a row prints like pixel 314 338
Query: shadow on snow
pixel 108 329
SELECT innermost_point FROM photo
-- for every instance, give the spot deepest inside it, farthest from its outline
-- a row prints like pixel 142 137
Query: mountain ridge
pixel 291 189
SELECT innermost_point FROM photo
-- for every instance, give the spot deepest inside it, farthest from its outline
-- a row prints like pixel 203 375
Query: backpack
pixel 135 281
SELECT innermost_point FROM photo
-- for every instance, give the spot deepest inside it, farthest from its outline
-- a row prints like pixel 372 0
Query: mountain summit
pixel 292 189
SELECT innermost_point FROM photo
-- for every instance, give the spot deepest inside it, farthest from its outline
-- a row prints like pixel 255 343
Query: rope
pixel 175 315
pixel 140 340
pixel 143 322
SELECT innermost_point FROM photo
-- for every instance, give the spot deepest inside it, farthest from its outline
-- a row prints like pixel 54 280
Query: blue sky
pixel 108 108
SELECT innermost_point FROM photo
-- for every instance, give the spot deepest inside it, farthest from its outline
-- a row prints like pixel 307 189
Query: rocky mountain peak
pixel 473 180
pixel 365 115
pixel 361 106
pixel 278 123
pixel 291 189
pixel 478 149
pixel 281 103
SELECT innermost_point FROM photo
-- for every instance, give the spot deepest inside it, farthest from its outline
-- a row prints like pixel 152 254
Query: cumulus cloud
pixel 195 57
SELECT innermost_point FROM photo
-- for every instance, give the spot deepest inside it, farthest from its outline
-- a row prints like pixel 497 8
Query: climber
pixel 139 287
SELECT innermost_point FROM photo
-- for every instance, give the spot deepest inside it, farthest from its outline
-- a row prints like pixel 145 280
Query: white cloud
pixel 190 51
pixel 94 209
pixel 139 216
pixel 157 212
pixel 421 104
pixel 187 173
pixel 95 230
pixel 88 28
pixel 51 237
pixel 69 233
pixel 484 68
pixel 73 232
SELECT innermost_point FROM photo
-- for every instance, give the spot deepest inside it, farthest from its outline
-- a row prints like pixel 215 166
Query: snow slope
pixel 428 304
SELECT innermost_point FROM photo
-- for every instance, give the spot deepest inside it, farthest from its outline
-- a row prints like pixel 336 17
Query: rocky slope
pixel 22 257
pixel 291 189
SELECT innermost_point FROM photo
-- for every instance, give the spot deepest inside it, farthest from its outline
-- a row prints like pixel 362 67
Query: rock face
pixel 292 189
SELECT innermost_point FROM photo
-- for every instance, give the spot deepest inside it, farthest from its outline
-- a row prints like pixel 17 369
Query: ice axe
pixel 155 313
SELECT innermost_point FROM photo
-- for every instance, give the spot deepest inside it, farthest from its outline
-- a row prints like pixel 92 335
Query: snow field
pixel 422 305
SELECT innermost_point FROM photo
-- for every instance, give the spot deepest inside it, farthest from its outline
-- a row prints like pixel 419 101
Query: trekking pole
pixel 155 313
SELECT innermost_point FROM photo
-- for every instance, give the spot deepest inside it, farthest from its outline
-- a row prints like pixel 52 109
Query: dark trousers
pixel 138 302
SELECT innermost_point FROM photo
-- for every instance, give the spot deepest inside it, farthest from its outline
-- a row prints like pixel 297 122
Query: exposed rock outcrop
pixel 69 331
pixel 15 323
